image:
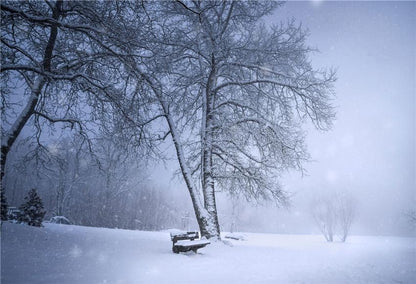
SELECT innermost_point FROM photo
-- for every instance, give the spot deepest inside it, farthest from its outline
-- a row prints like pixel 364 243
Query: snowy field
pixel 74 254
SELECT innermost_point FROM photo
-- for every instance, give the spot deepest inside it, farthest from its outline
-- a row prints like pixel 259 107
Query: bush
pixel 60 220
pixel 334 212
pixel 3 206
pixel 32 211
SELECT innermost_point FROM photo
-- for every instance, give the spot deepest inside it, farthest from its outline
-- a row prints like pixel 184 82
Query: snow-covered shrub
pixel 32 212
pixel 13 213
pixel 60 220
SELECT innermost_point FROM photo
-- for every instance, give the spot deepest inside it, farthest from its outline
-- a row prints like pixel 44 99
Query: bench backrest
pixel 184 236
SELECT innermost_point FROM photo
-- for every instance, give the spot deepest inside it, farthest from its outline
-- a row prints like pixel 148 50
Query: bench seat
pixel 192 243
pixel 187 241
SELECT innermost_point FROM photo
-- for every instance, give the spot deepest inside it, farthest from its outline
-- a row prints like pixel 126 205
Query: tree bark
pixel 208 184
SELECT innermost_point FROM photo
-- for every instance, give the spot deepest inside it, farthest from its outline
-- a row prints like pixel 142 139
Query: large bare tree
pixel 57 68
pixel 233 93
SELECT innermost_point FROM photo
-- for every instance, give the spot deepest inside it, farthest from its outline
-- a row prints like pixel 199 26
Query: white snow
pixel 235 236
pixel 73 254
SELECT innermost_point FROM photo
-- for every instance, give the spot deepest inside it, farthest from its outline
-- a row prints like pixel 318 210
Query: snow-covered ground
pixel 74 254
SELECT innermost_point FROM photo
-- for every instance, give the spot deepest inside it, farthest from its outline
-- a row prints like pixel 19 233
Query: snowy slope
pixel 74 254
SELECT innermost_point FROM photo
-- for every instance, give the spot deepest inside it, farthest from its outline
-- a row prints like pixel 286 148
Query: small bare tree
pixel 411 215
pixel 333 214
pixel 345 209
pixel 323 211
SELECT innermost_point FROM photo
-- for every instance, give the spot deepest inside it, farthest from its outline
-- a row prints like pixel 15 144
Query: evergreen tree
pixel 4 206
pixel 32 212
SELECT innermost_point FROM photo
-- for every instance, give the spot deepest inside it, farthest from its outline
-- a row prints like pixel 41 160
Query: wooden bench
pixel 187 241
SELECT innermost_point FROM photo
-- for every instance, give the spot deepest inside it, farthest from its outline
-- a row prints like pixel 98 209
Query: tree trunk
pixel 208 184
pixel 20 122
pixel 206 221
pixel 27 112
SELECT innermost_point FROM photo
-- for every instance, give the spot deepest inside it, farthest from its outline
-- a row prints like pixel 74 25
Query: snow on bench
pixel 185 241
pixel 192 243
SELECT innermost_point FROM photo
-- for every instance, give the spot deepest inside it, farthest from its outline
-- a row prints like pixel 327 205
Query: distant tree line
pixel 108 189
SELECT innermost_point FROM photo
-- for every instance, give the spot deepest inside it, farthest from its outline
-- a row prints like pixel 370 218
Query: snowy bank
pixel 73 254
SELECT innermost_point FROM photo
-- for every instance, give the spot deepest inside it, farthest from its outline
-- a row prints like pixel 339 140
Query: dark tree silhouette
pixel 32 212
pixel 4 206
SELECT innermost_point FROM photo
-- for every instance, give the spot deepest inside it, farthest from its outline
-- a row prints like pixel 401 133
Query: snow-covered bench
pixel 187 241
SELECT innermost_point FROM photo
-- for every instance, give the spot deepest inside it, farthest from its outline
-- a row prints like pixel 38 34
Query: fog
pixel 371 149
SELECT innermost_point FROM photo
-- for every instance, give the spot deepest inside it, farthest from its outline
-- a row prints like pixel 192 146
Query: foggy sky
pixel 371 149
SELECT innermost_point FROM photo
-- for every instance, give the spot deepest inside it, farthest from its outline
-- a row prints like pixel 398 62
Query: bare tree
pixel 64 60
pixel 324 213
pixel 346 210
pixel 13 51
pixel 55 58
pixel 411 218
pixel 230 92
pixel 334 213
pixel 64 172
pixel 233 94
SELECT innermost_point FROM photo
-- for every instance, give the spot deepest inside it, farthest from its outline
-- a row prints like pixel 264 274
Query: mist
pixel 370 151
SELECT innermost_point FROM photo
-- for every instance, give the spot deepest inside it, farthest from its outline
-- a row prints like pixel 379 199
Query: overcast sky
pixel 371 148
